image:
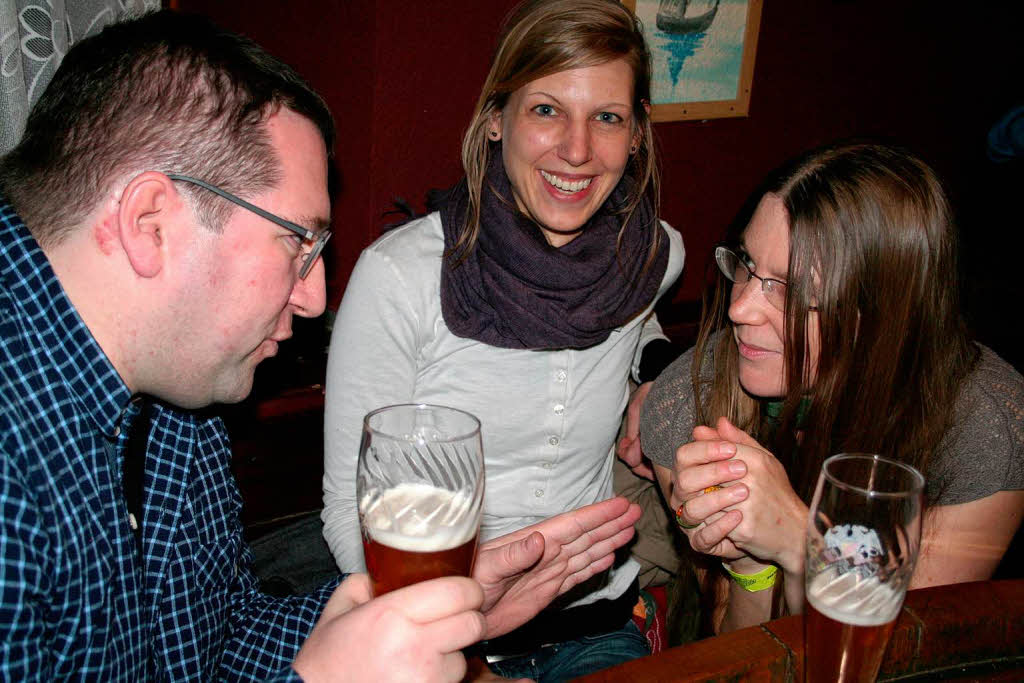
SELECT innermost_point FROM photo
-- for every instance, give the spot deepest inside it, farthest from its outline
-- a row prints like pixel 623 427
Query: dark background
pixel 402 76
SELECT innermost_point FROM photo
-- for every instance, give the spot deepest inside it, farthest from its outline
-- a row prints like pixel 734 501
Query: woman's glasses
pixel 739 268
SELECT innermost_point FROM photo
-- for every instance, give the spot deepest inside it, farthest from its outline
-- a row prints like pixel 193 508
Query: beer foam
pixel 853 599
pixel 420 518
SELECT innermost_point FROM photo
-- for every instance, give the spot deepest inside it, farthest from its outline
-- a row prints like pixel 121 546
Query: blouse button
pixel 559 409
pixel 561 375
pixel 539 493
pixel 553 440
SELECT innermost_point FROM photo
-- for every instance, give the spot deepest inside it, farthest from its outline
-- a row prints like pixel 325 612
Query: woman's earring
pixel 632 150
pixel 494 135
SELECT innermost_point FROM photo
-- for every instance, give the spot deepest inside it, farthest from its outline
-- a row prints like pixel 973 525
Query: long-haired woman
pixel 836 327
pixel 527 301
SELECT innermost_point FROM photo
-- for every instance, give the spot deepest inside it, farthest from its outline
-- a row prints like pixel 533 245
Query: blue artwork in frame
pixel 702 55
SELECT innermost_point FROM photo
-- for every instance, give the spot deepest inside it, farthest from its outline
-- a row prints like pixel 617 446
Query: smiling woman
pixel 567 140
pixel 527 301
pixel 866 352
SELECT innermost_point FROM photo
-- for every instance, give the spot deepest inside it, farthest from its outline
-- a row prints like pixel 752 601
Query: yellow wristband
pixel 754 582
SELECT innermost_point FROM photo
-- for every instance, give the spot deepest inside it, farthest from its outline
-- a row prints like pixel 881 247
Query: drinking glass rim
pixel 433 406
pixel 917 479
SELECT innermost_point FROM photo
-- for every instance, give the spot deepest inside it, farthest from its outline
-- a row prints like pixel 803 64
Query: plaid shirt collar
pixel 88 373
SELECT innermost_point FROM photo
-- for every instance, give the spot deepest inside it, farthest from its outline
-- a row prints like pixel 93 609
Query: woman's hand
pixel 773 518
pixel 628 449
pixel 523 571
pixel 705 462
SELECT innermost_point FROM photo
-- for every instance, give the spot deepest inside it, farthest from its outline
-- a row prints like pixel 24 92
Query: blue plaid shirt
pixel 76 599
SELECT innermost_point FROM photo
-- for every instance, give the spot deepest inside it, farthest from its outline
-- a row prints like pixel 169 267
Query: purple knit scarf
pixel 516 291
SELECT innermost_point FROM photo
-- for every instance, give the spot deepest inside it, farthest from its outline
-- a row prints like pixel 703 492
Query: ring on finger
pixel 680 520
pixel 712 488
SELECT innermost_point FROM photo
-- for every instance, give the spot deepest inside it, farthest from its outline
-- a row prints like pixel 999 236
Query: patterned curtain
pixel 34 36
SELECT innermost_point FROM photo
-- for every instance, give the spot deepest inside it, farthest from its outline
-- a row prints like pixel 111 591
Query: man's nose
pixel 309 295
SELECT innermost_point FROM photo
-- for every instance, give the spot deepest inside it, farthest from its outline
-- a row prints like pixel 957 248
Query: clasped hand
pixel 755 514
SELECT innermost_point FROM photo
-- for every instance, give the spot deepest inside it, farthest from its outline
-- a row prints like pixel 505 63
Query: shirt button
pixel 539 493
pixel 553 440
pixel 117 431
pixel 547 465
pixel 561 375
pixel 559 409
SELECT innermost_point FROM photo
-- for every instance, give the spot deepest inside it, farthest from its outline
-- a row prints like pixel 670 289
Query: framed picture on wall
pixel 702 56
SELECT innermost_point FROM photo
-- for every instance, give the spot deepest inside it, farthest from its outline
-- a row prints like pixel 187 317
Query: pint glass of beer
pixel 863 535
pixel 420 488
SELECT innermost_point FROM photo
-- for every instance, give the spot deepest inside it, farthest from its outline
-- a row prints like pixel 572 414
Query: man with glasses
pixel 161 222
pixel 313 241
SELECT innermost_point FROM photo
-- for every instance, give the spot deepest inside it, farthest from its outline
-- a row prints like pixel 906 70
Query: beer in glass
pixel 863 537
pixel 420 489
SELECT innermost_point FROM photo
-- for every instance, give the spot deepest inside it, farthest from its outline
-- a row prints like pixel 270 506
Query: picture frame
pixel 702 56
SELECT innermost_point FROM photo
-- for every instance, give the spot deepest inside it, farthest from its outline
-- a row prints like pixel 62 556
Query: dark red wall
pixel 402 78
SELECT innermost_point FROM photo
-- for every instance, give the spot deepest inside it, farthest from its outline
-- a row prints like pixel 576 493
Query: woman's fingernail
pixel 726 447
pixel 737 467
pixel 738 492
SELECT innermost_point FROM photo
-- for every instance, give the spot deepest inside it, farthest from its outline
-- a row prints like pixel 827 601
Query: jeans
pixel 573 658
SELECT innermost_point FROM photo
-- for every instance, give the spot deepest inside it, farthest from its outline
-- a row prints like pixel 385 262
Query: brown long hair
pixel 543 37
pixel 872 243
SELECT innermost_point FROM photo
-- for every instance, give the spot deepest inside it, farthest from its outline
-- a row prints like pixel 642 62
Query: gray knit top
pixel 982 454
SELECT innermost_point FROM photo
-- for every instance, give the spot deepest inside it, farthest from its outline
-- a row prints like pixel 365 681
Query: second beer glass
pixel 862 543
pixel 420 488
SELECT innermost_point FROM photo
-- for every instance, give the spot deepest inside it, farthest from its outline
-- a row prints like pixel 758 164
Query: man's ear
pixel 149 202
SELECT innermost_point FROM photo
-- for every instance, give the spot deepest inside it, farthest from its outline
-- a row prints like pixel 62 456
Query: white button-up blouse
pixel 549 418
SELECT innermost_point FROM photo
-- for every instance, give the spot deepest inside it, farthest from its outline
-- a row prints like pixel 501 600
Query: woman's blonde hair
pixel 543 37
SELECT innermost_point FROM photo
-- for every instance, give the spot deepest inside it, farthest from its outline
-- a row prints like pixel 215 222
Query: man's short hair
pixel 168 92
